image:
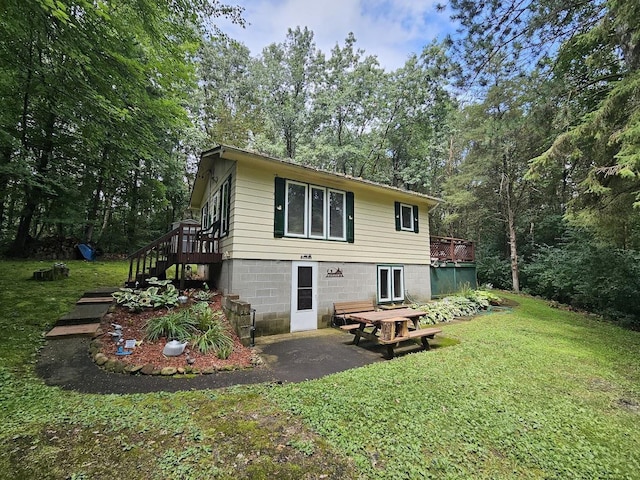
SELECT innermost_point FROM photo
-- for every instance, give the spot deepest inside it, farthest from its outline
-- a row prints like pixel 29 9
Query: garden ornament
pixel 174 348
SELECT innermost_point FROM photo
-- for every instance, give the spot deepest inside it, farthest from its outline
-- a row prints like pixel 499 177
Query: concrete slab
pixel 67 331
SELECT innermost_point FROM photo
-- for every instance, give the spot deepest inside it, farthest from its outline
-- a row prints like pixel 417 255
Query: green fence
pixel 449 277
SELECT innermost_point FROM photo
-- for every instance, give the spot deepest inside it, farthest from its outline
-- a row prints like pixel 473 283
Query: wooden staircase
pixel 184 245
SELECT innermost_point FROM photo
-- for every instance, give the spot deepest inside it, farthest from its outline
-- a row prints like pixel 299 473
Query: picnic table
pixel 390 327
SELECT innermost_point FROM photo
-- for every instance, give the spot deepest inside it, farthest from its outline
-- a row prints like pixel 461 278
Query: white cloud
pixel 388 29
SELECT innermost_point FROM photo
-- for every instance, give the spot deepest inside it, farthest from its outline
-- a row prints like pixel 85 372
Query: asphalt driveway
pixel 294 357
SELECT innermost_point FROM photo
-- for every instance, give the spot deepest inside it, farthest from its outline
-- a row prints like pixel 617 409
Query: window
pixel 390 283
pixel 215 208
pixel 317 212
pixel 337 217
pixel 406 217
pixel 225 208
pixel 205 216
pixel 312 211
pixel 296 218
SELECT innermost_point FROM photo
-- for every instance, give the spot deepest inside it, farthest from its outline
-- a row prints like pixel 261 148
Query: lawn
pixel 532 393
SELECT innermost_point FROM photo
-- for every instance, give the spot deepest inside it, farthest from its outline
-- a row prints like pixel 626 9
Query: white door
pixel 304 296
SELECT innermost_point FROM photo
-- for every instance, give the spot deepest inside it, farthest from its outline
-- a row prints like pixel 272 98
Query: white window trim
pixel 411 228
pixel 326 227
pixel 389 270
pixel 344 214
pixel 305 220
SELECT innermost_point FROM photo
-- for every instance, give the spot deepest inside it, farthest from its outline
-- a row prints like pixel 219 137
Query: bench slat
pixel 424 332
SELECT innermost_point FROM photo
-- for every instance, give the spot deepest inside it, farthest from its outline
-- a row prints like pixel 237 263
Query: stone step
pixel 100 292
pixel 91 313
pixel 67 331
pixel 96 300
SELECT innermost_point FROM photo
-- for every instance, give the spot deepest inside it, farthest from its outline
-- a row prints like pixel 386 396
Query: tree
pixel 230 111
pixel 288 73
pixel 502 133
pixel 94 96
pixel 344 111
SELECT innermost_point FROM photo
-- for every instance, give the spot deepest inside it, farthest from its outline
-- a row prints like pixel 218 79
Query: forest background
pixel 526 122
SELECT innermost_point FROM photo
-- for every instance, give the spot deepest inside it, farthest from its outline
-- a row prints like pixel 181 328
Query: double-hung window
pixel 390 283
pixel 205 216
pixel 312 211
pixel 216 212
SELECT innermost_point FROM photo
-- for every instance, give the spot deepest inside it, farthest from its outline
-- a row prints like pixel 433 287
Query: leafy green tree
pixel 230 111
pixel 288 75
pixel 344 111
pixel 94 96
pixel 491 188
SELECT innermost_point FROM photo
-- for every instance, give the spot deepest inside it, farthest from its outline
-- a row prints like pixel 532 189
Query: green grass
pixel 532 393
pixel 536 393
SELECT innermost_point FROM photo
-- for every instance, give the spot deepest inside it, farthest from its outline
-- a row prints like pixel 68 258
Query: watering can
pixel 174 348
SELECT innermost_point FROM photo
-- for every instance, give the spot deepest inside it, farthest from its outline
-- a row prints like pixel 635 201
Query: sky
pixel 389 29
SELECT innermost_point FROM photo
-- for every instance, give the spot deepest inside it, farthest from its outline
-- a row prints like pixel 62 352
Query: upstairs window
pixel 406 217
pixel 312 211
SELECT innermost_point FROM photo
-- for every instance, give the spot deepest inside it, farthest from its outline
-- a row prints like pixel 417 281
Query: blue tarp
pixel 87 252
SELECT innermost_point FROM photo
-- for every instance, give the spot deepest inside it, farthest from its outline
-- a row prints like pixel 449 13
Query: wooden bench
pixel 423 334
pixel 342 310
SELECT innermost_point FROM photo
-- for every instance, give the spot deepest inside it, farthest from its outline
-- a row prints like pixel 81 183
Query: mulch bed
pixel 150 353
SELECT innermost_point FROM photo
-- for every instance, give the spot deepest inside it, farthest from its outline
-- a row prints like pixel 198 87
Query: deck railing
pixel 185 244
pixel 451 249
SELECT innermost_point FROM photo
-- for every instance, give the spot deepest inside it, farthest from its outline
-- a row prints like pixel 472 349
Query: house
pixel 294 239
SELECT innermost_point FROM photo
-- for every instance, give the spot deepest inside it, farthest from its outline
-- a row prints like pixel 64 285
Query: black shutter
pixel 278 211
pixel 398 220
pixel 350 221
pixel 415 219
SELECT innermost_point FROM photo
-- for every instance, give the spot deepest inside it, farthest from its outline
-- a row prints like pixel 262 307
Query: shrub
pixel 161 293
pixel 454 306
pixel 179 325
pixel 215 339
pixel 586 275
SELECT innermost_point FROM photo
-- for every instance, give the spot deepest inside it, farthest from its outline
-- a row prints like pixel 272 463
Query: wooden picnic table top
pixel 377 317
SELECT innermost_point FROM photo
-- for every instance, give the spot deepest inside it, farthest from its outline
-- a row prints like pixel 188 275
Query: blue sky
pixel 388 29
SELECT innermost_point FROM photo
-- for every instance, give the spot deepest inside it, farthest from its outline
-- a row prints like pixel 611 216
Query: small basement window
pixel 390 283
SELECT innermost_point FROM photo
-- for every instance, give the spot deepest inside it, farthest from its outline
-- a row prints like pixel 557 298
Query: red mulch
pixel 148 352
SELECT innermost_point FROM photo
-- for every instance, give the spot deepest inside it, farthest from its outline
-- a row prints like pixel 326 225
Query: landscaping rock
pixel 135 368
pixel 168 371
pixel 100 359
pixel 147 369
pixel 110 365
pixel 119 367
pixel 208 370
pixel 181 370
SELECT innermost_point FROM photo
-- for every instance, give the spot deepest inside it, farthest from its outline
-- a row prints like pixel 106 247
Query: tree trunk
pixel 92 214
pixel 511 226
pixel 515 276
pixel 33 194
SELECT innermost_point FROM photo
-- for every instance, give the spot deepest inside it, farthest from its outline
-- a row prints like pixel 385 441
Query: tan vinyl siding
pixel 376 240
